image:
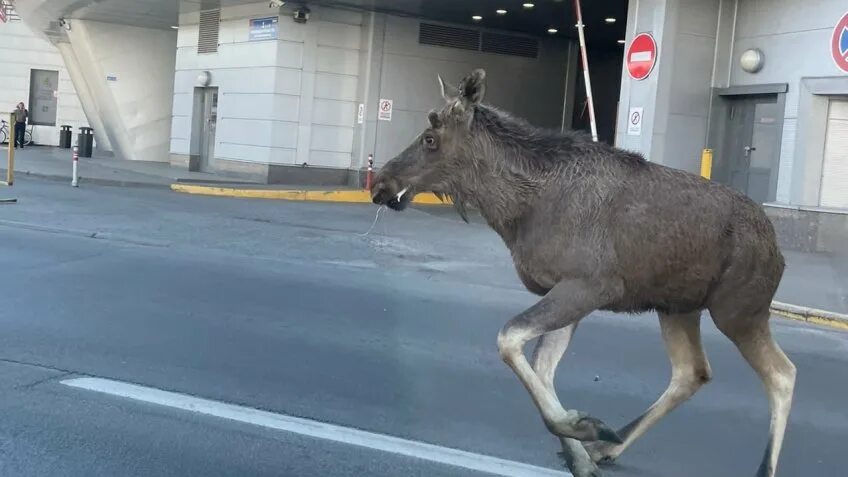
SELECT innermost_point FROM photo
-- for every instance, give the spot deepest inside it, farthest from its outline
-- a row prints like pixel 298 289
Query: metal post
pixel 74 176
pixel 585 59
pixel 369 179
pixel 10 171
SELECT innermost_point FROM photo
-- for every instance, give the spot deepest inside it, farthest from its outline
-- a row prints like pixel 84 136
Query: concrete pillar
pixel 85 96
pixel 129 74
pixel 676 96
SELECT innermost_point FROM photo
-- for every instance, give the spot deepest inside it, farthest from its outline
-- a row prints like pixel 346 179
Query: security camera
pixel 301 14
pixel 64 24
pixel 276 4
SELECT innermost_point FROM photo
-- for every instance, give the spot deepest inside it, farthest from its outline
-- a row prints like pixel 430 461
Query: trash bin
pixel 85 141
pixel 65 137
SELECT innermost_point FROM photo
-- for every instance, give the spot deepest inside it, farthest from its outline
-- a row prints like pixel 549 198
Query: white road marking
pixel 316 429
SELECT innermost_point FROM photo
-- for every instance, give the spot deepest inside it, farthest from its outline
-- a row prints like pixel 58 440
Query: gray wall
pixel 533 88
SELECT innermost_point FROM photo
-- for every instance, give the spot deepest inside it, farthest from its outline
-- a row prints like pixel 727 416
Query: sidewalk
pixel 812 282
pixel 55 164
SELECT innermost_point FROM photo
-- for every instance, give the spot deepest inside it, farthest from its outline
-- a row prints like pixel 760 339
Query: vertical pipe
pixel 585 60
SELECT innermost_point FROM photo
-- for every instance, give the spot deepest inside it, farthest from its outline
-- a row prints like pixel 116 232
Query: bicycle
pixel 5 134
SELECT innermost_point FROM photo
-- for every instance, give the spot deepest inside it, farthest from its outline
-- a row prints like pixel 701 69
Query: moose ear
pixel 435 120
pixel 473 87
pixel 449 93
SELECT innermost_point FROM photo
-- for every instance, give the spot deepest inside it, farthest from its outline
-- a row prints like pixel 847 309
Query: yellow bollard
pixel 10 174
pixel 706 163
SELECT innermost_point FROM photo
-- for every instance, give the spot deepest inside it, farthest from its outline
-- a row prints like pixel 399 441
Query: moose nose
pixel 380 193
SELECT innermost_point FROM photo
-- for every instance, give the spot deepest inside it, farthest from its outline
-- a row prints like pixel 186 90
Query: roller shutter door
pixel 834 186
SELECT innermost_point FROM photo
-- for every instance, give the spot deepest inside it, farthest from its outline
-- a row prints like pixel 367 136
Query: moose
pixel 594 227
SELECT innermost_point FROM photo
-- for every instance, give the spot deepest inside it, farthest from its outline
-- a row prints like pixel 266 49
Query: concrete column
pixel 307 92
pixel 676 96
pixel 85 96
pixel 129 74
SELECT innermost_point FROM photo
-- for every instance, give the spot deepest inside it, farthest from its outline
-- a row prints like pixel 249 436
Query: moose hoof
pixel 580 467
pixel 602 453
pixel 595 430
pixel 584 428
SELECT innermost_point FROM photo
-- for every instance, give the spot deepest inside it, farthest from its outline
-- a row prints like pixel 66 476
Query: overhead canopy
pixel 544 15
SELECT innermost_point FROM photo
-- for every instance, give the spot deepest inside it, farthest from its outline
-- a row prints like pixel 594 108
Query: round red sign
pixel 641 56
pixel 839 43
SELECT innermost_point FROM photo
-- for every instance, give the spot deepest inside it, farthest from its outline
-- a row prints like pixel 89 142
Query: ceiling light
pixel 476 18
pixel 500 11
pixel 175 27
pixel 609 20
pixel 552 30
pixel 621 42
pixel 529 5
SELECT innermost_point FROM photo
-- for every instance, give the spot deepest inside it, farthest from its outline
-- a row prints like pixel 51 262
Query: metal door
pixel 752 143
pixel 209 125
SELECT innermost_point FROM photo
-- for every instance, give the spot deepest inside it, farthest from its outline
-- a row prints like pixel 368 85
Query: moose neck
pixel 501 195
pixel 507 163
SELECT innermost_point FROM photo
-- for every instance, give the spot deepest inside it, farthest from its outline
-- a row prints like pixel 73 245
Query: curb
pixel 810 315
pixel 93 180
pixel 343 196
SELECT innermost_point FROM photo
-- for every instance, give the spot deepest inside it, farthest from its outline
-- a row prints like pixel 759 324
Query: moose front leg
pixel 567 303
pixel 547 355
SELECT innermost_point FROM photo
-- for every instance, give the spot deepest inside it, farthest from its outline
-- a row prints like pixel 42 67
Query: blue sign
pixel 263 28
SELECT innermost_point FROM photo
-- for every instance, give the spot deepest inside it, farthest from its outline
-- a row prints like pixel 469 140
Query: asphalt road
pixel 285 307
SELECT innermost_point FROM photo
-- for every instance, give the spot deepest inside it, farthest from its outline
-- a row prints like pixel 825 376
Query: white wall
pixel 21 50
pixel 289 101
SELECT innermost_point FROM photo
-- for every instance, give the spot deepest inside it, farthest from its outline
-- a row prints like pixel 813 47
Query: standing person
pixel 21 116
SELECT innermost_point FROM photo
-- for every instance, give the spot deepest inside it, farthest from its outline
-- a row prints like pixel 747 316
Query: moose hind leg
pixel 753 338
pixel 547 355
pixel 689 371
pixel 565 304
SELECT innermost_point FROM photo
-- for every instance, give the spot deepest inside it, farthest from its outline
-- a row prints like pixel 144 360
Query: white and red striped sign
pixel 641 56
pixel 2 12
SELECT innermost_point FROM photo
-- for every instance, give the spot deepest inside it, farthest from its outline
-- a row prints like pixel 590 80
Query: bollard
pixel 74 171
pixel 369 178
pixel 707 163
pixel 10 167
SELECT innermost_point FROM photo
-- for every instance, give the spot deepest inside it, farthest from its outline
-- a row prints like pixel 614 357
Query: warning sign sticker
pixel 384 113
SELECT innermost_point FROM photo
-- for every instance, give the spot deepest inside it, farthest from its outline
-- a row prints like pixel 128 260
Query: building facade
pixel 26 57
pixel 306 92
pixel 759 83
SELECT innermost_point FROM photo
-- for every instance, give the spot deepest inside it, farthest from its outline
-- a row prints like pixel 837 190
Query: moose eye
pixel 430 142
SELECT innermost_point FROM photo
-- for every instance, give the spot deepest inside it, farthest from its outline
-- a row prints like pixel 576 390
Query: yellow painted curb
pixel 347 196
pixel 827 321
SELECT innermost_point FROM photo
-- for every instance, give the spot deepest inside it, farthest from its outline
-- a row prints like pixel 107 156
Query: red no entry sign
pixel 641 56
pixel 839 43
